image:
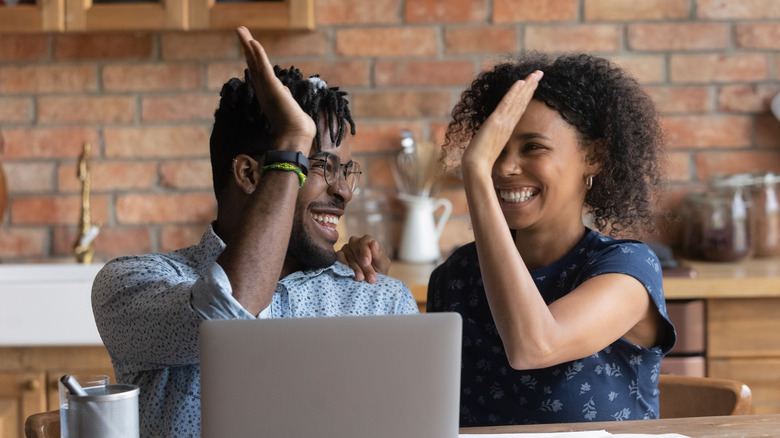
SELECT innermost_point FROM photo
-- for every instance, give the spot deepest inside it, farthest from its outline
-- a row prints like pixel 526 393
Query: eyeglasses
pixel 330 165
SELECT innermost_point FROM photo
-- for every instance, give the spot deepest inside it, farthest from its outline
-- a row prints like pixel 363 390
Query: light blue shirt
pixel 148 309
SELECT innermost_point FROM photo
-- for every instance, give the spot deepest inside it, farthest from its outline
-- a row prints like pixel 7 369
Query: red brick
pixel 729 9
pixel 157 141
pixel 103 45
pixel 767 131
pixel 86 109
pixel 186 174
pixel 151 77
pixel 174 208
pixel 47 142
pixel 758 35
pixel 646 69
pixel 340 73
pixel 180 236
pixel 746 98
pixel 22 242
pixel 279 44
pixel 51 210
pixel 199 45
pixel 387 41
pixel 379 172
pixel 417 73
pixel 510 11
pixel 15 109
pixel 681 99
pixel 624 10
pixel 678 36
pixel 706 131
pixel 217 73
pixel 24 47
pixel 341 12
pixel 678 166
pixel 109 176
pixel 731 162
pixel 445 11
pixel 47 79
pixel 110 242
pixel 383 136
pixel 487 39
pixel 29 177
pixel 179 107
pixel 718 68
pixel 402 104
pixel 587 38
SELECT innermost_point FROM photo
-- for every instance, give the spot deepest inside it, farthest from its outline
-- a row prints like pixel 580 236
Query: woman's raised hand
pixel 485 147
pixel 294 129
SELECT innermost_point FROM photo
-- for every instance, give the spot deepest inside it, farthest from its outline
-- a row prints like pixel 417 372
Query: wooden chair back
pixel 685 396
pixel 43 425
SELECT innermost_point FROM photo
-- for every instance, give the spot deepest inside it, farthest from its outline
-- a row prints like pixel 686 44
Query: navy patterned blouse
pixel 619 382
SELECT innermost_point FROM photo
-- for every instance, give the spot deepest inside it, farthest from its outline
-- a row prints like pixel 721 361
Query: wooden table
pixel 742 426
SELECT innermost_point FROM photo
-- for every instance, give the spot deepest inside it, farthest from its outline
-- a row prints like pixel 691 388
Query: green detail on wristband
pixel 289 168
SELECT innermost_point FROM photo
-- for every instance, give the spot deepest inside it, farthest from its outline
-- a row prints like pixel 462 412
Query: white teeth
pixel 326 218
pixel 521 195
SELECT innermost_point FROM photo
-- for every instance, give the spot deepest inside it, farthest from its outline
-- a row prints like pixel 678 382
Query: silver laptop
pixel 347 377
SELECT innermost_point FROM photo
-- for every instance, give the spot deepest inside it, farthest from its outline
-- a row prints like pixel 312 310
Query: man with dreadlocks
pixel 282 174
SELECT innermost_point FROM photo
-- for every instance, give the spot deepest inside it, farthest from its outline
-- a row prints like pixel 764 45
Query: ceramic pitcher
pixel 421 232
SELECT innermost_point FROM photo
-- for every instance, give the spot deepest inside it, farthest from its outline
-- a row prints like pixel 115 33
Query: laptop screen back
pixel 347 377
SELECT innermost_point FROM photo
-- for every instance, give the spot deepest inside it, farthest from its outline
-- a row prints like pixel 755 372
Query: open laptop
pixel 347 377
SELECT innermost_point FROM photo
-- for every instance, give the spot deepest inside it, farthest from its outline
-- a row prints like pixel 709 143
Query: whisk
pixel 416 166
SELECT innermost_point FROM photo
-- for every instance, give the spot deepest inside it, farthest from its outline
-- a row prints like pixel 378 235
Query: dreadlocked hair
pixel 240 127
pixel 614 118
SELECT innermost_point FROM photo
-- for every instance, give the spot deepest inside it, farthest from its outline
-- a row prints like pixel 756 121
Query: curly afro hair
pixel 613 116
pixel 241 128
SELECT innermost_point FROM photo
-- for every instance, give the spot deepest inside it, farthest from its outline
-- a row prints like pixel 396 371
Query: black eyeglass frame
pixel 351 171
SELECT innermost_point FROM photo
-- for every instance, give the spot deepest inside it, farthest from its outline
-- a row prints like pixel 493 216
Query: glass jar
pixel 766 210
pixel 726 220
pixel 691 211
pixel 368 213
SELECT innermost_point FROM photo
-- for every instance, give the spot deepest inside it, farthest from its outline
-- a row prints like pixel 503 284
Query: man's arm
pixel 254 256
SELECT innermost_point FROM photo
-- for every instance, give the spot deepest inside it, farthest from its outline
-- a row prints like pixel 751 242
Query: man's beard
pixel 304 250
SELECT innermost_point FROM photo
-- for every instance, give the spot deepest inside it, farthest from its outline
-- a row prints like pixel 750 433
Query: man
pixel 283 174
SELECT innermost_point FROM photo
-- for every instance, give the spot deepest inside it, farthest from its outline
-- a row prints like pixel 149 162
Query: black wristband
pixel 296 158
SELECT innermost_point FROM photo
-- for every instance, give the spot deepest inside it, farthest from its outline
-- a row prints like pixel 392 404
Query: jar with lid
pixel 691 212
pixel 726 220
pixel 368 213
pixel 767 215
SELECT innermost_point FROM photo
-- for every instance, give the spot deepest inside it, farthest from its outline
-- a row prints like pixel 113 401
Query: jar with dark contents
pixel 766 210
pixel 726 220
pixel 691 212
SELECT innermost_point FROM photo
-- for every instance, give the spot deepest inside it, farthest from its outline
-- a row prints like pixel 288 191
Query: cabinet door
pixel 745 327
pixel 32 16
pixel 21 395
pixel 125 15
pixel 254 14
pixel 762 376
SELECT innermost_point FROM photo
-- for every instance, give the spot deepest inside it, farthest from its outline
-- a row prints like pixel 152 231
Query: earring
pixel 589 182
pixel 250 190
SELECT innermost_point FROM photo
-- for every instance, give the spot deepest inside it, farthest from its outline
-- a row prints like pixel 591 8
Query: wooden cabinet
pixel 29 375
pixel 111 15
pixel 22 393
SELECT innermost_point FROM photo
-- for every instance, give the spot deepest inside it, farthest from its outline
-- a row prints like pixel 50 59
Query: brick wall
pixel 145 102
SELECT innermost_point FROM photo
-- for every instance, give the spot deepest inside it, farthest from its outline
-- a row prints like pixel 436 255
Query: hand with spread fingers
pixel 295 130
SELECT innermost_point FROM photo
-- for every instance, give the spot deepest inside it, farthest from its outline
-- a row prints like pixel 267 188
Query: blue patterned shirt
pixel 619 382
pixel 148 309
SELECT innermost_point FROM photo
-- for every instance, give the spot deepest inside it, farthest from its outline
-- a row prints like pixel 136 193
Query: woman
pixel 560 322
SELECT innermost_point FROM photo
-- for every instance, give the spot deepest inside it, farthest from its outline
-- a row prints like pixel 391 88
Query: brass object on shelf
pixel 84 247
